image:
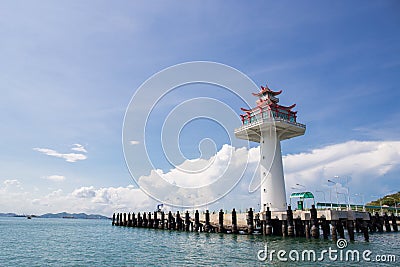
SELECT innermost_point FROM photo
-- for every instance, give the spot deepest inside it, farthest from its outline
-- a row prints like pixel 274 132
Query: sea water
pixel 76 242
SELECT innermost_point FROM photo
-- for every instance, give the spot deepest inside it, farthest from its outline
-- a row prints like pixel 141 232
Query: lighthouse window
pixel 265 190
pixel 263 157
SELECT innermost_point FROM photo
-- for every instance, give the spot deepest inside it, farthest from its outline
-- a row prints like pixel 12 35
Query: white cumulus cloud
pixel 365 165
pixel 56 178
pixel 11 182
pixel 69 157
pixel 360 161
pixel 79 148
pixel 84 192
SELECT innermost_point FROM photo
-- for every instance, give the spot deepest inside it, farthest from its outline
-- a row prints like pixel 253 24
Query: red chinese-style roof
pixel 245 109
pixel 261 104
pixel 287 108
pixel 267 90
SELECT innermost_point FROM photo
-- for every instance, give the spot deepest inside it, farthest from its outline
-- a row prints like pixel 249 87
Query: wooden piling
pixel 134 220
pixel 234 222
pixel 187 221
pixel 221 221
pixel 334 230
pixel 249 218
pixel 149 220
pixel 257 222
pixel 129 220
pixel 307 229
pixel 207 226
pixel 284 228
pixel 340 228
pixel 298 226
pixel 290 227
pixel 372 224
pixel 169 221
pixel 387 222
pixel 268 222
pixel 178 221
pixel 155 220
pixel 314 222
pixel 378 222
pixel 394 223
pixel 358 225
pixel 325 228
pixel 145 221
pixel 365 231
pixel 162 221
pixel 139 220
pixel 196 221
pixel 276 227
pixel 350 229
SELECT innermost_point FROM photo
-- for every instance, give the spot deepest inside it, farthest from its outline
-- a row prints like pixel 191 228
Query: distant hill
pixel 8 215
pixel 60 215
pixel 386 200
pixel 72 216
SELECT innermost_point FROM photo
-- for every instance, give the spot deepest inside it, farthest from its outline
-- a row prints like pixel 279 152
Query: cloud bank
pixel 369 168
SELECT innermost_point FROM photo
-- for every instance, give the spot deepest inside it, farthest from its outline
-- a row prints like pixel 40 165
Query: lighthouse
pixel 268 124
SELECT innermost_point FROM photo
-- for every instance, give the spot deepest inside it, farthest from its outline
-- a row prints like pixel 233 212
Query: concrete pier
pixel 298 223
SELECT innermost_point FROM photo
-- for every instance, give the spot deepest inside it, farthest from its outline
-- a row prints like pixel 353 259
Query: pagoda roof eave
pixel 246 110
pixel 258 107
pixel 265 90
pixel 284 107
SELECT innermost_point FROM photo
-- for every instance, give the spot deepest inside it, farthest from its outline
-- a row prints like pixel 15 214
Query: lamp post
pixel 344 194
pixel 396 209
pixel 347 189
pixel 380 203
pixel 319 191
pixel 293 188
pixel 362 200
pixel 395 204
pixel 337 195
pixel 355 203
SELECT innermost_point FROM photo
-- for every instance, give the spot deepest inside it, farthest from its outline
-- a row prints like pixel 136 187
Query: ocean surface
pixel 75 242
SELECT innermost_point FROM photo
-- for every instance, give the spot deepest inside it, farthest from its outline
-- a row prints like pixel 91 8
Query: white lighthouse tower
pixel 268 124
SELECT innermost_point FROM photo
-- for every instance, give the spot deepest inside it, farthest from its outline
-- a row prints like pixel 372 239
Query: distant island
pixel 64 215
pixel 389 200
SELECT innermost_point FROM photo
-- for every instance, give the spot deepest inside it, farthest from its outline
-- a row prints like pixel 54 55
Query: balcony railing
pixel 260 115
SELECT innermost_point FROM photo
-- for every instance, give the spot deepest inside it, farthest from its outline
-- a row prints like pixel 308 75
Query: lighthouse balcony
pixel 278 114
pixel 283 122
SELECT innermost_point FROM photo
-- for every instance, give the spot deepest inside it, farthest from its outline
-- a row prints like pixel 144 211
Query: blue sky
pixel 68 70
